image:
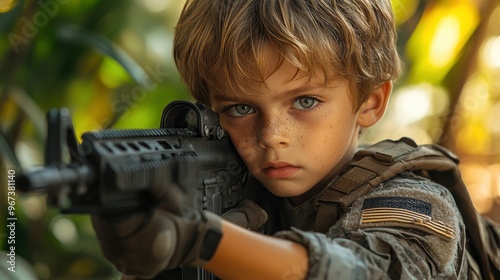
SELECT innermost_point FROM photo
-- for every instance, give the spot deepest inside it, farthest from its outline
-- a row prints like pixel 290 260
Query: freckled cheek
pixel 324 140
pixel 242 140
pixel 320 149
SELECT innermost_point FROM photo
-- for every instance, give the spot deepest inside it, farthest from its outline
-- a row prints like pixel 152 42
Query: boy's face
pixel 291 133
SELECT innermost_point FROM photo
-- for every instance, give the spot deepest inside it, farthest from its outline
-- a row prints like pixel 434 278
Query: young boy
pixel 294 83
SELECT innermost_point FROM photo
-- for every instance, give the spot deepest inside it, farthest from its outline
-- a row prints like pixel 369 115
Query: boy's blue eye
pixel 305 103
pixel 240 110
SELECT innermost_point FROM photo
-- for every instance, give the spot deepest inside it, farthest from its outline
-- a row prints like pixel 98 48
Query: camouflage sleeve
pixel 406 229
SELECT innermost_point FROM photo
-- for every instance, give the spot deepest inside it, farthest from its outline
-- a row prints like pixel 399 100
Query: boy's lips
pixel 279 170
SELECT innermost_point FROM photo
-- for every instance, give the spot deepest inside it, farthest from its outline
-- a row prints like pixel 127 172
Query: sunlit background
pixel 93 57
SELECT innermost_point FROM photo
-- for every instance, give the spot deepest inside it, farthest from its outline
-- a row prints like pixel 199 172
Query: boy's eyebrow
pixel 302 89
pixel 295 91
pixel 223 97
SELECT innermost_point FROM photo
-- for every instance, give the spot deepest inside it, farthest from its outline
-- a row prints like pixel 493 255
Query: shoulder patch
pixel 425 208
pixel 402 212
pixel 408 203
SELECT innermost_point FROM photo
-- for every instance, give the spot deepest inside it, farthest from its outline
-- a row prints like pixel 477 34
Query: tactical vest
pixel 384 160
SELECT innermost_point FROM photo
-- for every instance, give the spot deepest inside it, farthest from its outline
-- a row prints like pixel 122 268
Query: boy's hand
pixel 144 244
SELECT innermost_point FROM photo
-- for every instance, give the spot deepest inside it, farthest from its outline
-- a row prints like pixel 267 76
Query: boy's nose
pixel 274 132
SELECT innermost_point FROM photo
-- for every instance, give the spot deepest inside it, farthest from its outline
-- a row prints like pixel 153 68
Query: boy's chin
pixel 285 193
pixel 296 196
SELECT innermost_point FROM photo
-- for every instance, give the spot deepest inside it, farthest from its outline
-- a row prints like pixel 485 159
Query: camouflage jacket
pixel 373 238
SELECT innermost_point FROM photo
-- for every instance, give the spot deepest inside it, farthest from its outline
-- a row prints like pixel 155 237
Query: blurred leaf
pixel 404 9
pixel 112 74
pixel 438 40
pixel 6 151
pixel 76 35
pixel 29 107
pixel 9 14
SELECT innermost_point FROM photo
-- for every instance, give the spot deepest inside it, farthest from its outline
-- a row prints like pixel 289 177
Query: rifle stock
pixel 115 171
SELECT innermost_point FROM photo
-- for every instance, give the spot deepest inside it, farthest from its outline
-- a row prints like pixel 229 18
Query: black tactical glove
pixel 146 243
pixel 248 215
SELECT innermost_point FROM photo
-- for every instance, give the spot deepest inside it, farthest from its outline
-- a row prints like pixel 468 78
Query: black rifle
pixel 113 171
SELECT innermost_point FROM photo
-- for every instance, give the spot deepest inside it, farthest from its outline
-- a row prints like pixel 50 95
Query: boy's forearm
pixel 257 257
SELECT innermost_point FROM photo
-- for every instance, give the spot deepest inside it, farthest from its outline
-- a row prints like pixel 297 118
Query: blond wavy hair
pixel 220 44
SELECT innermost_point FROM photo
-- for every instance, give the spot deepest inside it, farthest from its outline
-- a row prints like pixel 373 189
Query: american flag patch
pixel 403 212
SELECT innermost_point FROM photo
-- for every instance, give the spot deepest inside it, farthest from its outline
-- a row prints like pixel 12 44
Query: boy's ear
pixel 374 107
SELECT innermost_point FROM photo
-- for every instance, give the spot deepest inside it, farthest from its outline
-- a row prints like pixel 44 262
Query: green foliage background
pixel 110 64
